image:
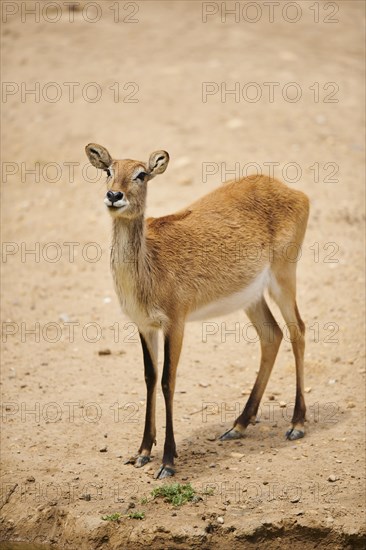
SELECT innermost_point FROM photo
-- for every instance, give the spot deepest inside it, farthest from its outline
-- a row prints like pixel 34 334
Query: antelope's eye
pixel 141 176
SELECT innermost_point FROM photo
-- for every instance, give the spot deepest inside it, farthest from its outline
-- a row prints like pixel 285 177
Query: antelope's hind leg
pixel 270 336
pixel 149 344
pixel 284 294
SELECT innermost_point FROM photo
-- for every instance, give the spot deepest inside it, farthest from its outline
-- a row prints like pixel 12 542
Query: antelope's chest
pixel 132 303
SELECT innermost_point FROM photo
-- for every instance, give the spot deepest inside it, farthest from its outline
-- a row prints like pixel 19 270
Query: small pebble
pixel 237 455
pixel 64 317
pixel 283 404
pixel 295 499
pixel 332 478
pixel 103 449
pixel 105 351
pixel 220 519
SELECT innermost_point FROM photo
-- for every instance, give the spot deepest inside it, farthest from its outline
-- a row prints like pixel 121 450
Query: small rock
pixel 351 405
pixel 307 390
pixel 105 351
pixel 103 449
pixel 64 317
pixel 333 478
pixel 294 500
pixel 31 479
pixel 332 381
pixel 86 497
pixel 299 513
pixel 212 465
pixel 220 519
pixel 236 455
pixel 283 404
pixel 203 384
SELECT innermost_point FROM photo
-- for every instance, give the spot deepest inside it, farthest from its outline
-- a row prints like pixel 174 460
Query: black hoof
pixel 141 460
pixel 131 460
pixel 138 461
pixel 164 471
pixel 293 434
pixel 231 434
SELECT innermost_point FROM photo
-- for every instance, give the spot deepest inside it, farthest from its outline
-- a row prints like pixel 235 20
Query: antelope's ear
pixel 98 156
pixel 158 163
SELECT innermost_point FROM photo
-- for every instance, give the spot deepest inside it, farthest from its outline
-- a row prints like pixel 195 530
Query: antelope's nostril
pixel 114 196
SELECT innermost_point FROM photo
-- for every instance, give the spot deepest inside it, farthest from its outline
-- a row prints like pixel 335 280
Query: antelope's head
pixel 126 179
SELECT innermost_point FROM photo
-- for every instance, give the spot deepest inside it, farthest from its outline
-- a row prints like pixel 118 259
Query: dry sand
pixel 163 83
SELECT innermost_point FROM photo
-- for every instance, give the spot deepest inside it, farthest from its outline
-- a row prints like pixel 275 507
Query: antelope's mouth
pixel 117 205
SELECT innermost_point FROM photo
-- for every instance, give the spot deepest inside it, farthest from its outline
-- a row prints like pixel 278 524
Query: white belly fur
pixel 239 300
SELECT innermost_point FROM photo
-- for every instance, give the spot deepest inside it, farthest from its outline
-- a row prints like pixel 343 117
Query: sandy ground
pixel 160 76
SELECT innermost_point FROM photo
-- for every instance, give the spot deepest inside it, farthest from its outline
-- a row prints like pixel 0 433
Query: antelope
pixel 168 280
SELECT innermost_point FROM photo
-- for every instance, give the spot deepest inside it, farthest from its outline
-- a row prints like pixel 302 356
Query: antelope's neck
pixel 128 248
pixel 134 285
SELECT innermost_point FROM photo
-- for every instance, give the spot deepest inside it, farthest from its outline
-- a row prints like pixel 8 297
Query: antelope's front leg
pixel 149 344
pixel 172 348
